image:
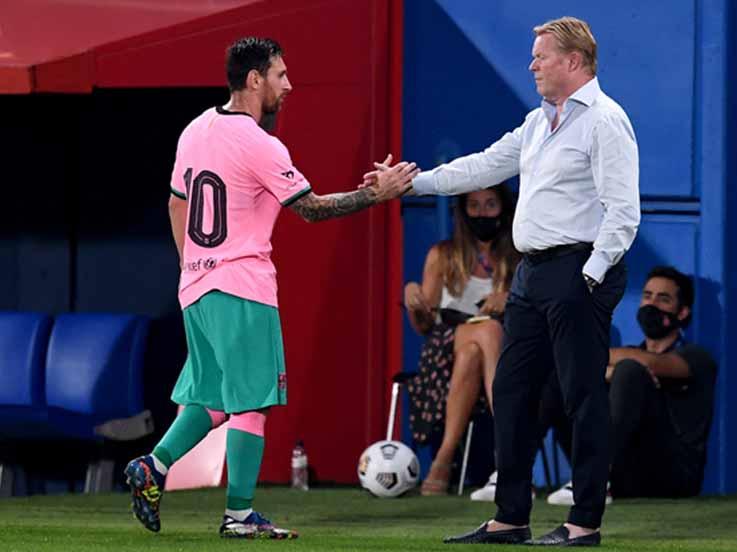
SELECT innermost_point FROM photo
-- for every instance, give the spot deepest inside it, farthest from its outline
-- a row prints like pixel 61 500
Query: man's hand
pixel 590 282
pixel 383 171
pixel 371 178
pixel 394 181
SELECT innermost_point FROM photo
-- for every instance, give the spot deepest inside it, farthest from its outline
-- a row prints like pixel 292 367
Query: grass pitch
pixel 342 520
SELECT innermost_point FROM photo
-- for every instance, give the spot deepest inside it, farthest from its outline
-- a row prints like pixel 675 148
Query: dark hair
pixel 247 54
pixel 684 284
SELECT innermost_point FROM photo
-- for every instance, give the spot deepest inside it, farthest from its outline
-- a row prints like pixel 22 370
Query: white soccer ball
pixel 388 469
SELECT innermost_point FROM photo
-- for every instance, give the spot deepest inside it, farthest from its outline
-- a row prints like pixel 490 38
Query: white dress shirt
pixel 578 183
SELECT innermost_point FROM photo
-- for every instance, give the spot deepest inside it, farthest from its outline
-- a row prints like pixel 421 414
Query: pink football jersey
pixel 235 178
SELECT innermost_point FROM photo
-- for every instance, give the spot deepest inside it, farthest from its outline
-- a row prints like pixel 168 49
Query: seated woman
pixel 464 277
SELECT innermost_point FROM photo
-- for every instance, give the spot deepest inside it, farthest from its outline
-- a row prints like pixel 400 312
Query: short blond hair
pixel 572 35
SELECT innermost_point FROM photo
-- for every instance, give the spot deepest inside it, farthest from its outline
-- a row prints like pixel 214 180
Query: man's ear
pixel 574 61
pixel 683 313
pixel 253 79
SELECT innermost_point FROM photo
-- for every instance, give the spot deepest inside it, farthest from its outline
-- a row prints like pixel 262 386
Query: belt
pixel 543 255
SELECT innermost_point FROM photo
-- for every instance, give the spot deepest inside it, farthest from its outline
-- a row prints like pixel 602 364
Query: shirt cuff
pixel 424 183
pixel 596 267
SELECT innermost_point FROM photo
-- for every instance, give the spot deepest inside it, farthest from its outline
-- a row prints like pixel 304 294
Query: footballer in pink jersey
pixel 230 180
pixel 235 188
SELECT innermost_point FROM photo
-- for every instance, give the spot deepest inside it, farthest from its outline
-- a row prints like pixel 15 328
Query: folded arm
pixel 660 365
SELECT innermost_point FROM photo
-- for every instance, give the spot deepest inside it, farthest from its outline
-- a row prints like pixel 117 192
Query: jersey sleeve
pixel 279 175
pixel 177 185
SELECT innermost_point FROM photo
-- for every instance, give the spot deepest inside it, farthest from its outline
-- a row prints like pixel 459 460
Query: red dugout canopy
pixel 77 45
pixel 55 45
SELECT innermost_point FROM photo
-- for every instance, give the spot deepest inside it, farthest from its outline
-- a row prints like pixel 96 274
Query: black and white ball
pixel 388 469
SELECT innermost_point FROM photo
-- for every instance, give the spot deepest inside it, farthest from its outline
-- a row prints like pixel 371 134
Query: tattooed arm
pixel 314 208
pixel 390 183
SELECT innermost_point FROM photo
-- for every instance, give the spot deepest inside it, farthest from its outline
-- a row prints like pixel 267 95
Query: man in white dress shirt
pixel 577 214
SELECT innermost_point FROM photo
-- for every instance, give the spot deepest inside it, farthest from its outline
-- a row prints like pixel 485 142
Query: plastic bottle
pixel 299 467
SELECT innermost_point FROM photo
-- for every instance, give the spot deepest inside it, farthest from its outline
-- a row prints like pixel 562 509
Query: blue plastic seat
pixel 94 371
pixel 80 377
pixel 64 380
pixel 24 339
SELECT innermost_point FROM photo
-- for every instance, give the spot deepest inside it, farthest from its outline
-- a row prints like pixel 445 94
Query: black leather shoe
pixel 482 536
pixel 559 537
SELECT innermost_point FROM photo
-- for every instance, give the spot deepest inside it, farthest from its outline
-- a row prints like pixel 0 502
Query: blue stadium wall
pixel 466 82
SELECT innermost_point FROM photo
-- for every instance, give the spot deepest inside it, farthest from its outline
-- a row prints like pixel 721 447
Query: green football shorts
pixel 236 355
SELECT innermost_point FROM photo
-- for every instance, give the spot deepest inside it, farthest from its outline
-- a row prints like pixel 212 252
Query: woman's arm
pixel 422 300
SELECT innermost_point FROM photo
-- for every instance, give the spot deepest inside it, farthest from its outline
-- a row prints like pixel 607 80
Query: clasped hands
pixel 390 181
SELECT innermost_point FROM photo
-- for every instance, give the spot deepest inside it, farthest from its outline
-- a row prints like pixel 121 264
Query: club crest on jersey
pixel 288 174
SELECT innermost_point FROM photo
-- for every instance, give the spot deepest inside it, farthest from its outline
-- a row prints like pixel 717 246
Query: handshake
pixel 388 181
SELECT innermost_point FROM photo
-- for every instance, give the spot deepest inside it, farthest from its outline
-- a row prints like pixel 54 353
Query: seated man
pixel 661 395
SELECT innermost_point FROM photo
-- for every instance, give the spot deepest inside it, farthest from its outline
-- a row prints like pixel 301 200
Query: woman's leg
pixel 465 385
pixel 488 336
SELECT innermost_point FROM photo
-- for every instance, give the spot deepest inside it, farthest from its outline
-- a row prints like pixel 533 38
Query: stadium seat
pixel 82 380
pixel 94 369
pixel 24 337
pixel 94 383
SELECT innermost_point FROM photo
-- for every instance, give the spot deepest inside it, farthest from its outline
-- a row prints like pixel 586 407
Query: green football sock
pixel 188 429
pixel 244 453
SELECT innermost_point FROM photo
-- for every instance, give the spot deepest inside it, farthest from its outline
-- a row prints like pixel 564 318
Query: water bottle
pixel 299 467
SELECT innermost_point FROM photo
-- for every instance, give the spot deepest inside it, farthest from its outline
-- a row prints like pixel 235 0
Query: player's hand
pixel 392 182
pixel 494 303
pixel 415 301
pixel 370 178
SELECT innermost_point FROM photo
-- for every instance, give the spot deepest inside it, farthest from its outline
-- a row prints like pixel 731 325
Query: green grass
pixel 342 519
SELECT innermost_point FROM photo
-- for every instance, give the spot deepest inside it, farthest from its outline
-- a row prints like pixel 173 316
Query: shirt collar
pixel 585 95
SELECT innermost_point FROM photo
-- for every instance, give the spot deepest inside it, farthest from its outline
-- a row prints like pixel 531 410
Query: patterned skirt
pixel 428 390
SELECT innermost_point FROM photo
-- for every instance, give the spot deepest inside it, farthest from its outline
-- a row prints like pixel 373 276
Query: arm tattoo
pixel 314 208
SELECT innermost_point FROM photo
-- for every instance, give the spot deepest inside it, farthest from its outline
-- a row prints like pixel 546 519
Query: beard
pixel 268 120
pixel 268 114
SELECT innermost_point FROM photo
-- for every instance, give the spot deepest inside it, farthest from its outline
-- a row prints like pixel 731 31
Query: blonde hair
pixel 572 35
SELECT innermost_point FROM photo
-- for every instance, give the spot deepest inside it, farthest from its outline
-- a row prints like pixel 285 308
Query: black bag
pixel 453 317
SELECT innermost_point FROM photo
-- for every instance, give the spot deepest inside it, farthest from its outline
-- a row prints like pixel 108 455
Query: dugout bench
pixel 69 379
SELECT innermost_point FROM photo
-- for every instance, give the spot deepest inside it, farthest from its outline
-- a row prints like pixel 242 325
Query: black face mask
pixel 484 228
pixel 650 319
